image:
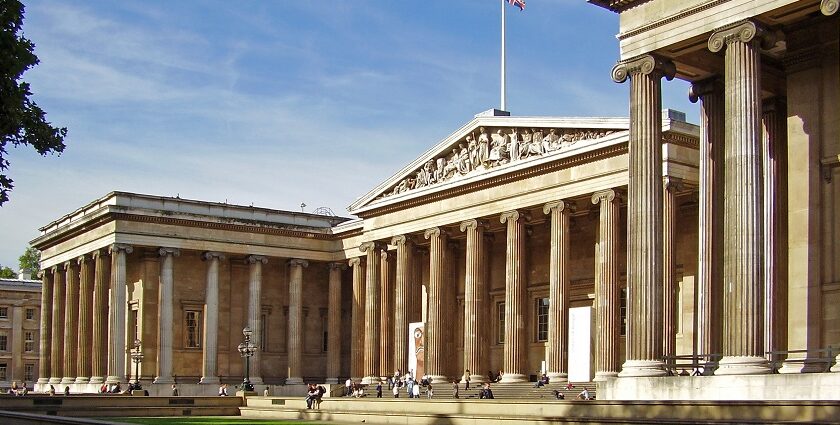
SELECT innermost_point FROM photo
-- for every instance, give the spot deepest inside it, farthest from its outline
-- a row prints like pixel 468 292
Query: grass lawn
pixel 208 420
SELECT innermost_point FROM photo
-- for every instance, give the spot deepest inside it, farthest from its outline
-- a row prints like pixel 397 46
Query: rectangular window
pixel 500 320
pixel 541 310
pixel 29 372
pixel 30 314
pixel 4 312
pixel 193 330
pixel 263 332
pixel 4 342
pixel 623 311
pixel 2 371
pixel 29 341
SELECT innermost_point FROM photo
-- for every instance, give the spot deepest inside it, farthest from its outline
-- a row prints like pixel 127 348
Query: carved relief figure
pixel 551 141
pixel 513 147
pixel 483 146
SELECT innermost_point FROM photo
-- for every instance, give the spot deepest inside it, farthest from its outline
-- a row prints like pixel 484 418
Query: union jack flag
pixel 518 3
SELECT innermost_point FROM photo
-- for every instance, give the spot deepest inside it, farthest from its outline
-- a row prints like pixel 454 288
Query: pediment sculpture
pixel 491 148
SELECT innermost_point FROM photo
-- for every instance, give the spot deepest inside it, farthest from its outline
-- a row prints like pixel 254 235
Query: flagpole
pixel 503 106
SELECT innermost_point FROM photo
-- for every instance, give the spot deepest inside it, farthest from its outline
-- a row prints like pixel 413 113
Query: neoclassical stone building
pixel 590 248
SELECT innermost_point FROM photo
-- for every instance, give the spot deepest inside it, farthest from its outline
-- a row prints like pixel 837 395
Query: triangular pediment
pixel 489 146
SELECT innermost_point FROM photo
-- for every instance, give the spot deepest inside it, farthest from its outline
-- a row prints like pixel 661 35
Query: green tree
pixel 7 273
pixel 22 122
pixel 30 260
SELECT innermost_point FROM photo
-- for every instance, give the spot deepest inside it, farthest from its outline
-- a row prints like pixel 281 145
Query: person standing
pixel 379 389
pixel 415 391
pixel 429 392
pixel 396 390
pixel 349 385
pixel 454 389
pixel 466 380
pixel 174 390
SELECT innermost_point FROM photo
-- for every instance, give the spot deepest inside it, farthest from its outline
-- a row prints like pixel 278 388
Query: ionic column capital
pixel 672 184
pixel 82 258
pixel 354 262
pixel 97 253
pixel 608 195
pixel 558 206
pixel 384 254
pixel 473 224
pixel 294 262
pixel 399 240
pixel 702 88
pixel 119 247
pixel 212 255
pixel 56 269
pixel 514 216
pixel 742 31
pixel 829 7
pixel 434 231
pixel 165 251
pixel 254 259
pixel 643 65
pixel 338 265
pixel 69 263
pixel 371 246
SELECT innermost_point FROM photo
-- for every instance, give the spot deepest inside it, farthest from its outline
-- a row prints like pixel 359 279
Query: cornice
pixel 220 226
pixel 671 19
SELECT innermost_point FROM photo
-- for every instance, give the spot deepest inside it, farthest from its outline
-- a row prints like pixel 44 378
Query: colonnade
pixel 84 325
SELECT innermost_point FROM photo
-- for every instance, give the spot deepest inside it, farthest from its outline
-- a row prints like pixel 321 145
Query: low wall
pixel 806 386
pixel 194 390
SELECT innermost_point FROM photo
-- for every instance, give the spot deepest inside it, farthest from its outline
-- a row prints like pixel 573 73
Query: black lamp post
pixel 137 357
pixel 247 349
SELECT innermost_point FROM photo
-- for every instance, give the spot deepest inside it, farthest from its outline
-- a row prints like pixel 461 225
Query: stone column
pixel 386 312
pixel 435 343
pixel 83 367
pixel 710 248
pixel 296 267
pixel 644 214
pixel 165 315
pixel 99 343
pixel 607 290
pixel 71 322
pixel 372 313
pixel 117 344
pixel 743 322
pixel 357 322
pixel 475 303
pixel 670 186
pixel 57 327
pixel 255 264
pixel 403 300
pixel 211 318
pixel 515 353
pixel 559 298
pixel 334 324
pixel 45 343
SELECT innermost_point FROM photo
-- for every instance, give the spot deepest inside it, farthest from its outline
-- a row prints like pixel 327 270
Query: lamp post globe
pixel 246 350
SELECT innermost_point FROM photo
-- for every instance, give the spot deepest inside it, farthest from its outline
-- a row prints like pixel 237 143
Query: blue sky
pixel 275 103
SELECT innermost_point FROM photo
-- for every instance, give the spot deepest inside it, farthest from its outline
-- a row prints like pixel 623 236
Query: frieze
pixel 489 149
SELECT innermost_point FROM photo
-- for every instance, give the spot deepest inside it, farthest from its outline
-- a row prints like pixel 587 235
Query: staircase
pixel 518 391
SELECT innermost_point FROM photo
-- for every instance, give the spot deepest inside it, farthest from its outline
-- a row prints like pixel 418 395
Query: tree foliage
pixel 7 273
pixel 22 122
pixel 30 260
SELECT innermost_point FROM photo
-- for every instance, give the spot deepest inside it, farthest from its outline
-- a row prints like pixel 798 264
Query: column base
pixel 356 379
pixel 97 379
pixel 604 376
pixel 642 368
pixel 54 380
pixel 296 380
pixel 68 380
pixel 743 365
pixel 113 380
pixel 555 377
pixel 508 378
pixel 163 380
pixel 209 380
pixel 81 380
pixel 42 381
pixel 438 379
pixel 835 368
pixel 804 365
pixel 331 381
pixel 371 380
pixel 256 380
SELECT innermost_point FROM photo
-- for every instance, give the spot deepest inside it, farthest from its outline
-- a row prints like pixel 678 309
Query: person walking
pixel 429 392
pixel 466 380
pixel 379 389
pixel 415 391
pixel 455 389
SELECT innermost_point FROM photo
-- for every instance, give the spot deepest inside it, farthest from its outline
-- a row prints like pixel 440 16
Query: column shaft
pixel 515 355
pixel 211 319
pixel 670 187
pixel 295 374
pixel 57 332
pixel 435 342
pixel 557 357
pixel 386 313
pixel 475 302
pixel 45 343
pixel 165 315
pixel 334 324
pixel 403 300
pixel 372 313
pixel 710 248
pixel 743 297
pixel 71 322
pixel 644 215
pixel 357 322
pixel 117 343
pixel 99 345
pixel 255 266
pixel 607 290
pixel 83 370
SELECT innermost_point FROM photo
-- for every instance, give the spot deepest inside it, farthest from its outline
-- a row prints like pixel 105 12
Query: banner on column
pixel 580 320
pixel 416 349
